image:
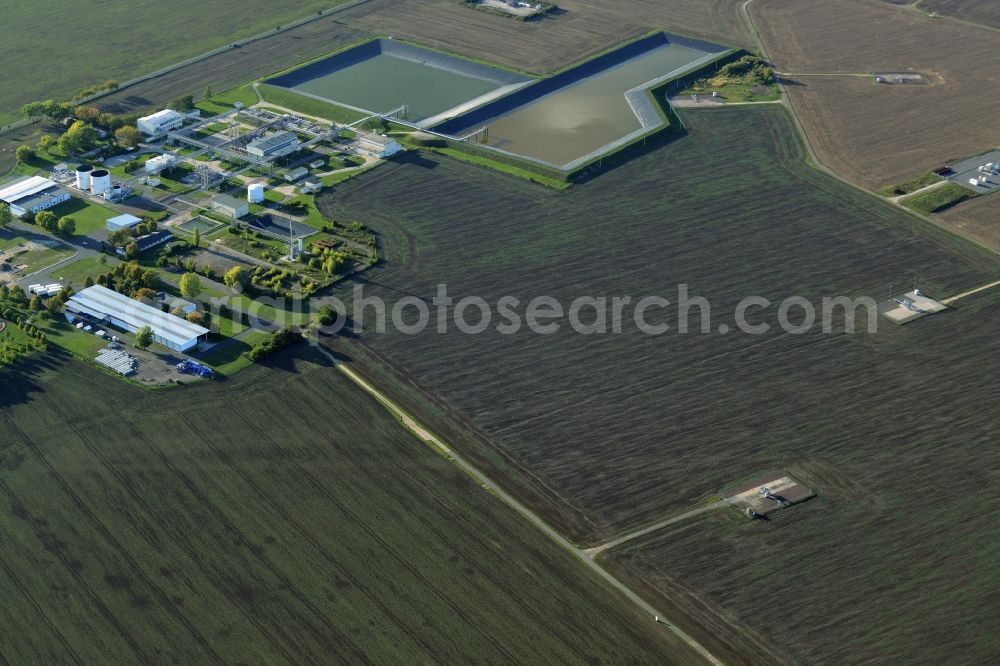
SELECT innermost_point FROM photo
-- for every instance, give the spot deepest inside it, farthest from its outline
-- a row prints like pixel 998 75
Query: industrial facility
pixel 378 145
pixel 102 305
pixel 277 145
pixel 160 122
pixel 32 194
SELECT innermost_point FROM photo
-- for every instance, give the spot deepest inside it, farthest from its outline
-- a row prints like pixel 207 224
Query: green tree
pixel 196 238
pixel 66 226
pixel 128 136
pixel 16 293
pixel 131 251
pixel 237 275
pixel 144 337
pixel 208 92
pixel 47 220
pixel 5 215
pixel 89 282
pixel 54 305
pixel 87 113
pixel 48 109
pixel 36 303
pixel 46 142
pixel 190 285
pixel 78 137
pixel 25 154
pixel 182 104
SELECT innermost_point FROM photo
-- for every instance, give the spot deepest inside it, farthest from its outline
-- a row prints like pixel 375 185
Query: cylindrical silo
pixel 255 193
pixel 100 181
pixel 83 176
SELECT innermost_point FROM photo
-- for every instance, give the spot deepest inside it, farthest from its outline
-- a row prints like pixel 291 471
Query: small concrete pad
pixel 783 492
pixel 909 307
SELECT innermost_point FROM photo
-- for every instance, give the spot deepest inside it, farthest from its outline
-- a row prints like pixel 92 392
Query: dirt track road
pixel 428 437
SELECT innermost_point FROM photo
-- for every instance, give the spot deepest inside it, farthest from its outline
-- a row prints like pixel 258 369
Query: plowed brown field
pixel 978 219
pixel 877 135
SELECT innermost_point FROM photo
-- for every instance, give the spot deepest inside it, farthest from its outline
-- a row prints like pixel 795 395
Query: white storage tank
pixel 255 193
pixel 83 176
pixel 100 181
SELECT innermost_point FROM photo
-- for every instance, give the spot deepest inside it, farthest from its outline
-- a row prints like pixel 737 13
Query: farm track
pixel 623 431
pixel 585 556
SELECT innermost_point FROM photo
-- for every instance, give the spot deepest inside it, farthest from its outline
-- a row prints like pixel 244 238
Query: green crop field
pixel 120 41
pixel 281 517
pixel 603 433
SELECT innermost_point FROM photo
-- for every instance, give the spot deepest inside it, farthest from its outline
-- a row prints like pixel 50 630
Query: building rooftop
pixel 22 188
pixel 228 201
pixel 380 139
pixel 163 116
pixel 174 302
pixel 151 240
pixel 273 142
pixel 104 301
pixel 124 220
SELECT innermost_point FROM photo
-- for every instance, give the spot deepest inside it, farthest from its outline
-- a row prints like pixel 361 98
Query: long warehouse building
pixel 32 194
pixel 120 311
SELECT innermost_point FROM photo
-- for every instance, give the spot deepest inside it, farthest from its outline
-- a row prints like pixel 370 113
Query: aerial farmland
pixel 447 331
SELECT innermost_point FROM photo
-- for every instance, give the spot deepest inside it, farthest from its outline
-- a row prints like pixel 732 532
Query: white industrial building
pixel 32 194
pixel 230 206
pixel 378 145
pixel 114 309
pixel 123 222
pixel 157 164
pixel 160 122
pixel 276 145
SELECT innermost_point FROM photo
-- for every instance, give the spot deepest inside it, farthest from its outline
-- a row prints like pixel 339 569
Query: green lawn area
pixel 224 101
pixel 912 185
pixel 307 105
pixel 77 272
pixel 228 359
pixel 500 166
pixel 89 217
pixel 10 238
pixel 64 334
pixel 733 91
pixel 43 257
pixel 313 217
pixel 938 199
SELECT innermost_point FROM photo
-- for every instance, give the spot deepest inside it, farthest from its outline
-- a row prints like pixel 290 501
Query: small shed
pixel 296 175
